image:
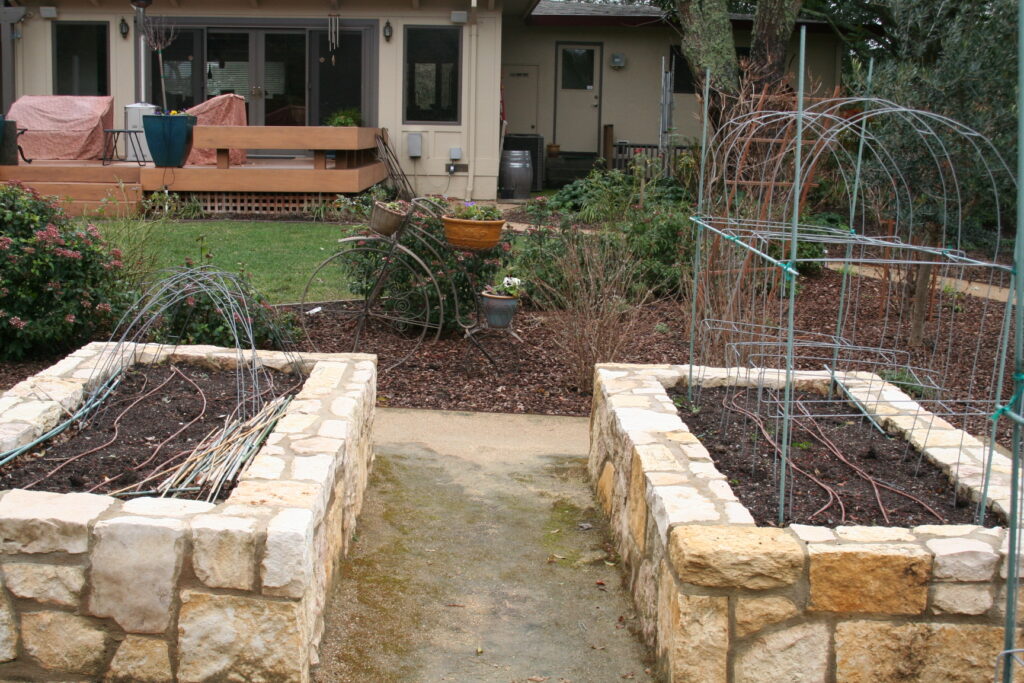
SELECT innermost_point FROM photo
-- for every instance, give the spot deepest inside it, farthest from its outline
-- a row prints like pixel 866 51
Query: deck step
pixel 60 173
pixel 100 209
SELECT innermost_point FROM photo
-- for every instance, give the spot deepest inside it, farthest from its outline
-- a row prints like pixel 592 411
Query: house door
pixel 266 67
pixel 519 91
pixel 578 98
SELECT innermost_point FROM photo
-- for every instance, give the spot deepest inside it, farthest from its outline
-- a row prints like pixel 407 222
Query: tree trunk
pixel 707 42
pixel 773 26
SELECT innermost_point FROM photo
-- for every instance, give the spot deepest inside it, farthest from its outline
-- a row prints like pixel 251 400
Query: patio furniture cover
pixel 62 126
pixel 222 110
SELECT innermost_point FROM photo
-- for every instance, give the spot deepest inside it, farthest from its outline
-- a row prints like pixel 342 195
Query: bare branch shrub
pixel 598 291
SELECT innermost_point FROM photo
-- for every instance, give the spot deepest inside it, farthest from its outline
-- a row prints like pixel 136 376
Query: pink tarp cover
pixel 62 126
pixel 222 110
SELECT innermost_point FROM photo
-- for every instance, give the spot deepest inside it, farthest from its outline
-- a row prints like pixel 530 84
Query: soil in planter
pixel 742 453
pixel 141 429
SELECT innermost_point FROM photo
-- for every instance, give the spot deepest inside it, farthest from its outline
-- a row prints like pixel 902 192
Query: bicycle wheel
pixel 372 296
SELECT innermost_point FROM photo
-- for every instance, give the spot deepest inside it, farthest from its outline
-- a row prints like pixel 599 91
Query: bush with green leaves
pixel 57 280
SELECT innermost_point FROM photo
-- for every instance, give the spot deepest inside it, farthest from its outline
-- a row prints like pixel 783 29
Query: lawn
pixel 280 256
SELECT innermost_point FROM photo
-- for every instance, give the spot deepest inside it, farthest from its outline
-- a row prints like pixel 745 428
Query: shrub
pixel 56 280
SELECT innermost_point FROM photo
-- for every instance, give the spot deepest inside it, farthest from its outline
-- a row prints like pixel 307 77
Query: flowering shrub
pixel 56 279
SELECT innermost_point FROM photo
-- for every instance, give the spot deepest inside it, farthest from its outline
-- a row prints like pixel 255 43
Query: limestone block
pixel 636 505
pixel 314 468
pixel 228 637
pixel 140 660
pixel 62 368
pixel 16 434
pixel 873 534
pixel 796 655
pixel 287 566
pixel 891 579
pixel 640 419
pixel 740 557
pixel 135 567
pixel 753 614
pixel 291 494
pixel 296 423
pixel 812 534
pixel 316 445
pixel 63 642
pixel 721 490
pixel 945 529
pixel 605 486
pixel 963 559
pixel 166 507
pixel 670 505
pixel 657 458
pixel 872 651
pixel 67 393
pixel 224 551
pixel 334 429
pixel 961 598
pixel 43 412
pixel 8 630
pixel 736 513
pixel 46 583
pixel 264 466
pixel 343 406
pixel 698 638
pixel 41 522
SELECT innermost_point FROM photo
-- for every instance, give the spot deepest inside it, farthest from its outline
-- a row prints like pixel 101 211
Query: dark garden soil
pixel 825 490
pixel 154 418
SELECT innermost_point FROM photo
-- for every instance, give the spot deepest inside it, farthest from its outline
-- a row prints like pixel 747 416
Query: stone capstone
pixel 224 551
pixel 740 557
pixel 890 579
pixel 794 655
pixel 41 522
pixel 753 614
pixel 135 566
pixel 46 583
pixel 140 660
pixel 64 642
pixel 233 638
pixel 963 559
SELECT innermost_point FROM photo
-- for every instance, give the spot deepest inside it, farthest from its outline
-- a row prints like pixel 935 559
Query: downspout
pixel 140 54
pixel 471 115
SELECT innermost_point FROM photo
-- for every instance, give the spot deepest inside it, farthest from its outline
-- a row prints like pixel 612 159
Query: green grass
pixel 280 256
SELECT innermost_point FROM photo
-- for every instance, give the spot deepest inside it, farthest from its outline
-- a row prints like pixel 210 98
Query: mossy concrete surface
pixel 480 555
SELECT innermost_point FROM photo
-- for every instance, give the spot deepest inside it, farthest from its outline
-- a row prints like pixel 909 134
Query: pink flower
pixel 17 323
pixel 190 301
pixel 103 308
pixel 116 253
pixel 69 318
pixel 68 253
pixel 93 231
pixel 5 243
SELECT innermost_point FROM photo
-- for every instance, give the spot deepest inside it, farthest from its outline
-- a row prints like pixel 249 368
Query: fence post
pixel 608 145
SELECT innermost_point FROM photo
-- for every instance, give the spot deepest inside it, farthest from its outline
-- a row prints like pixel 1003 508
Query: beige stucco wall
pixel 631 96
pixel 477 133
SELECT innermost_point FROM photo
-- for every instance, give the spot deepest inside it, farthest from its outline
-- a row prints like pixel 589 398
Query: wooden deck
pixel 88 187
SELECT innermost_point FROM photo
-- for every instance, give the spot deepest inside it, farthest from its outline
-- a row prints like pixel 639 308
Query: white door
pixel 578 100
pixel 519 90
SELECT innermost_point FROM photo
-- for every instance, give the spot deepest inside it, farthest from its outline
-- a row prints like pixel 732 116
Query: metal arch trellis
pixel 752 239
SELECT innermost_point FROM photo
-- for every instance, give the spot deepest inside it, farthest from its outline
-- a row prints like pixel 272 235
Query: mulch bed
pixel 743 454
pixel 136 427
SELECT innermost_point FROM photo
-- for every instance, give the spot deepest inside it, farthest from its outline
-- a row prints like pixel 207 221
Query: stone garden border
pixel 725 601
pixel 158 589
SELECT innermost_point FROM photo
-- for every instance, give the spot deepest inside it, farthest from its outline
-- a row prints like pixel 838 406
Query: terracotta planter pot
pixel 498 310
pixel 466 234
pixel 385 221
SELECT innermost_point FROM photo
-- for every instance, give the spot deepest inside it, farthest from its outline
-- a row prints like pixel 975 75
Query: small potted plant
pixel 473 226
pixel 169 137
pixel 345 117
pixel 499 301
pixel 386 217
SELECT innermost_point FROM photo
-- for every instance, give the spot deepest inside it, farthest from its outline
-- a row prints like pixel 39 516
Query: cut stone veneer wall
pixel 162 589
pixel 723 600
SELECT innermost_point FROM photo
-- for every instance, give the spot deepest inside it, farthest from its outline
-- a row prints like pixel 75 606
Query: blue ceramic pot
pixel 169 138
pixel 498 310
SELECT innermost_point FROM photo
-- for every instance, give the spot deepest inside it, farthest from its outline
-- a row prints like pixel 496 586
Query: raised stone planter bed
pixel 177 590
pixel 723 600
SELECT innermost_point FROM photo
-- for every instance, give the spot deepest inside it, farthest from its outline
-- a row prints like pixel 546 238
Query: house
pixel 430 71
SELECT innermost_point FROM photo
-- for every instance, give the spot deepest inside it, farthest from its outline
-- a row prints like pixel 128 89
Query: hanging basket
pixel 466 234
pixel 498 310
pixel 385 221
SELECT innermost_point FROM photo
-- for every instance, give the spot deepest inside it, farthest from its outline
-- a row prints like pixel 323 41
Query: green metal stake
pixel 787 400
pixel 853 213
pixel 700 232
pixel 1012 580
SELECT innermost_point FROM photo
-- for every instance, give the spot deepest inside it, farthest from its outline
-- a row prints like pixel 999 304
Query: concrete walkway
pixel 480 556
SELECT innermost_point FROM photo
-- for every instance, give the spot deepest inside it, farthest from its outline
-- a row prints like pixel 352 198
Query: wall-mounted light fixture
pixel 48 12
pixel 388 31
pixel 123 28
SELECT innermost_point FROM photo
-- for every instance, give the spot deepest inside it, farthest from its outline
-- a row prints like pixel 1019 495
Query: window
pixel 684 82
pixel 80 58
pixel 183 67
pixel 432 74
pixel 577 68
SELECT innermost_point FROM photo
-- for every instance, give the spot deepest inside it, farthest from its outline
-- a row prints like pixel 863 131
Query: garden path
pixel 480 556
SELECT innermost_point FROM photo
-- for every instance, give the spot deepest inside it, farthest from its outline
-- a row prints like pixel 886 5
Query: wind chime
pixel 333 32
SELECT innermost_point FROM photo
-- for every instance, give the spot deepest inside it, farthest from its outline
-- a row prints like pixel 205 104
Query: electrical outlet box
pixel 454 153
pixel 414 145
pixel 457 168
